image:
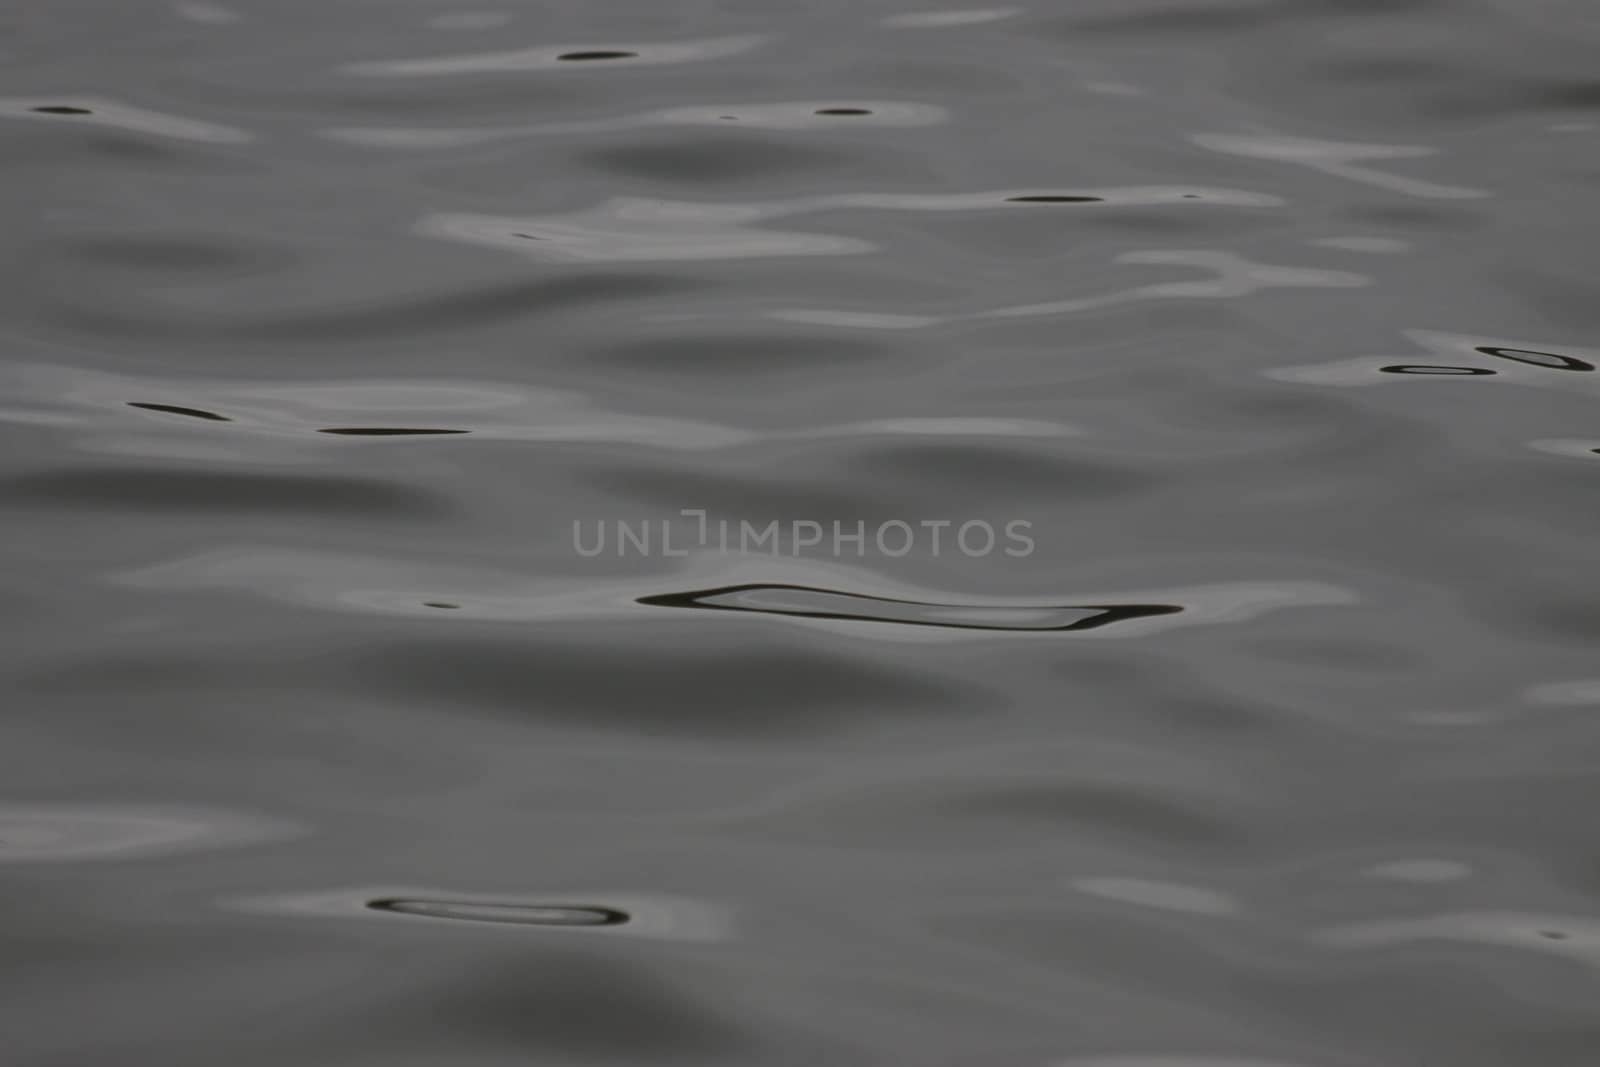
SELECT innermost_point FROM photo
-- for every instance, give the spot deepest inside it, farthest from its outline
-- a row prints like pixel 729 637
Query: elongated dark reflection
pixel 387 431
pixel 175 409
pixel 831 604
pixel 510 914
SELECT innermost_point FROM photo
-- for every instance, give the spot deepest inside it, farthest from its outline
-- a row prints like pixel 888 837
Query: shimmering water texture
pixel 333 330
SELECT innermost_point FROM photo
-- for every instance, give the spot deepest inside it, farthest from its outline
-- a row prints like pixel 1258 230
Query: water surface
pixel 1272 319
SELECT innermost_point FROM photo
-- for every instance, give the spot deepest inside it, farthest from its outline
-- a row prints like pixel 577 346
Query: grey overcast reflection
pixel 856 533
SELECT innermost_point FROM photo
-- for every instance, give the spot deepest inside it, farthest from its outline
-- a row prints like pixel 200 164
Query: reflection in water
pixel 174 409
pixel 1044 199
pixel 290 414
pixel 1422 368
pixel 625 230
pixel 511 914
pixel 372 584
pixel 387 431
pixel 1360 371
pixel 831 604
pixel 798 115
pixel 1538 359
pixel 652 916
pixel 572 57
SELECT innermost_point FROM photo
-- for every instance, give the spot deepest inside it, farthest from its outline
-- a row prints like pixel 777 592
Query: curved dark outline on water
pixel 389 431
pixel 1109 613
pixel 583 914
pixel 1561 362
pixel 1437 370
pixel 176 409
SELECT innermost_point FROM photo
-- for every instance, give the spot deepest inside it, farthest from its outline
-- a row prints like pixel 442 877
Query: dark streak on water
pixel 1054 199
pixel 507 913
pixel 174 409
pixel 1424 368
pixel 387 431
pixel 594 55
pixel 813 603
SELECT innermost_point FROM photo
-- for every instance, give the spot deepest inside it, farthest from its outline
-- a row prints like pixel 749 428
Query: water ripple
pixel 97 111
pixel 832 604
pixel 501 912
pixel 551 57
pixel 938 20
pixel 601 913
pixel 69 833
pixel 1339 160
pixel 636 229
pixel 1575 937
pixel 292 413
pixel 792 115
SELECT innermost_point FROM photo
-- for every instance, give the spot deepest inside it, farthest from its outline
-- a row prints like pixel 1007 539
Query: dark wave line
pixel 815 603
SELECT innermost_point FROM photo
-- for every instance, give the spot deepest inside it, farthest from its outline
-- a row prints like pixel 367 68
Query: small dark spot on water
pixel 811 602
pixel 173 409
pixel 582 56
pixel 1423 368
pixel 843 111
pixel 386 431
pixel 513 914
pixel 1538 359
pixel 528 236
pixel 62 109
pixel 440 604
pixel 1054 199
pixel 1553 935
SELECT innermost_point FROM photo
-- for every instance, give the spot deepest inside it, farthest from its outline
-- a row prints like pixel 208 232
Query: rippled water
pixel 473 493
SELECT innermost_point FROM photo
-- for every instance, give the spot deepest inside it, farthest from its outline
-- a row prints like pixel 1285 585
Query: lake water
pixel 845 534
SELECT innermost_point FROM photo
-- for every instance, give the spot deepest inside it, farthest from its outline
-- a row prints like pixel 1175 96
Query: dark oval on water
pixel 1538 359
pixel 386 431
pixel 1053 199
pixel 843 111
pixel 580 56
pixel 62 109
pixel 1424 368
pixel 511 914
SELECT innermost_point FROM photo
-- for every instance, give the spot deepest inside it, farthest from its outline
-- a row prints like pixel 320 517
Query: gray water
pixel 1260 335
